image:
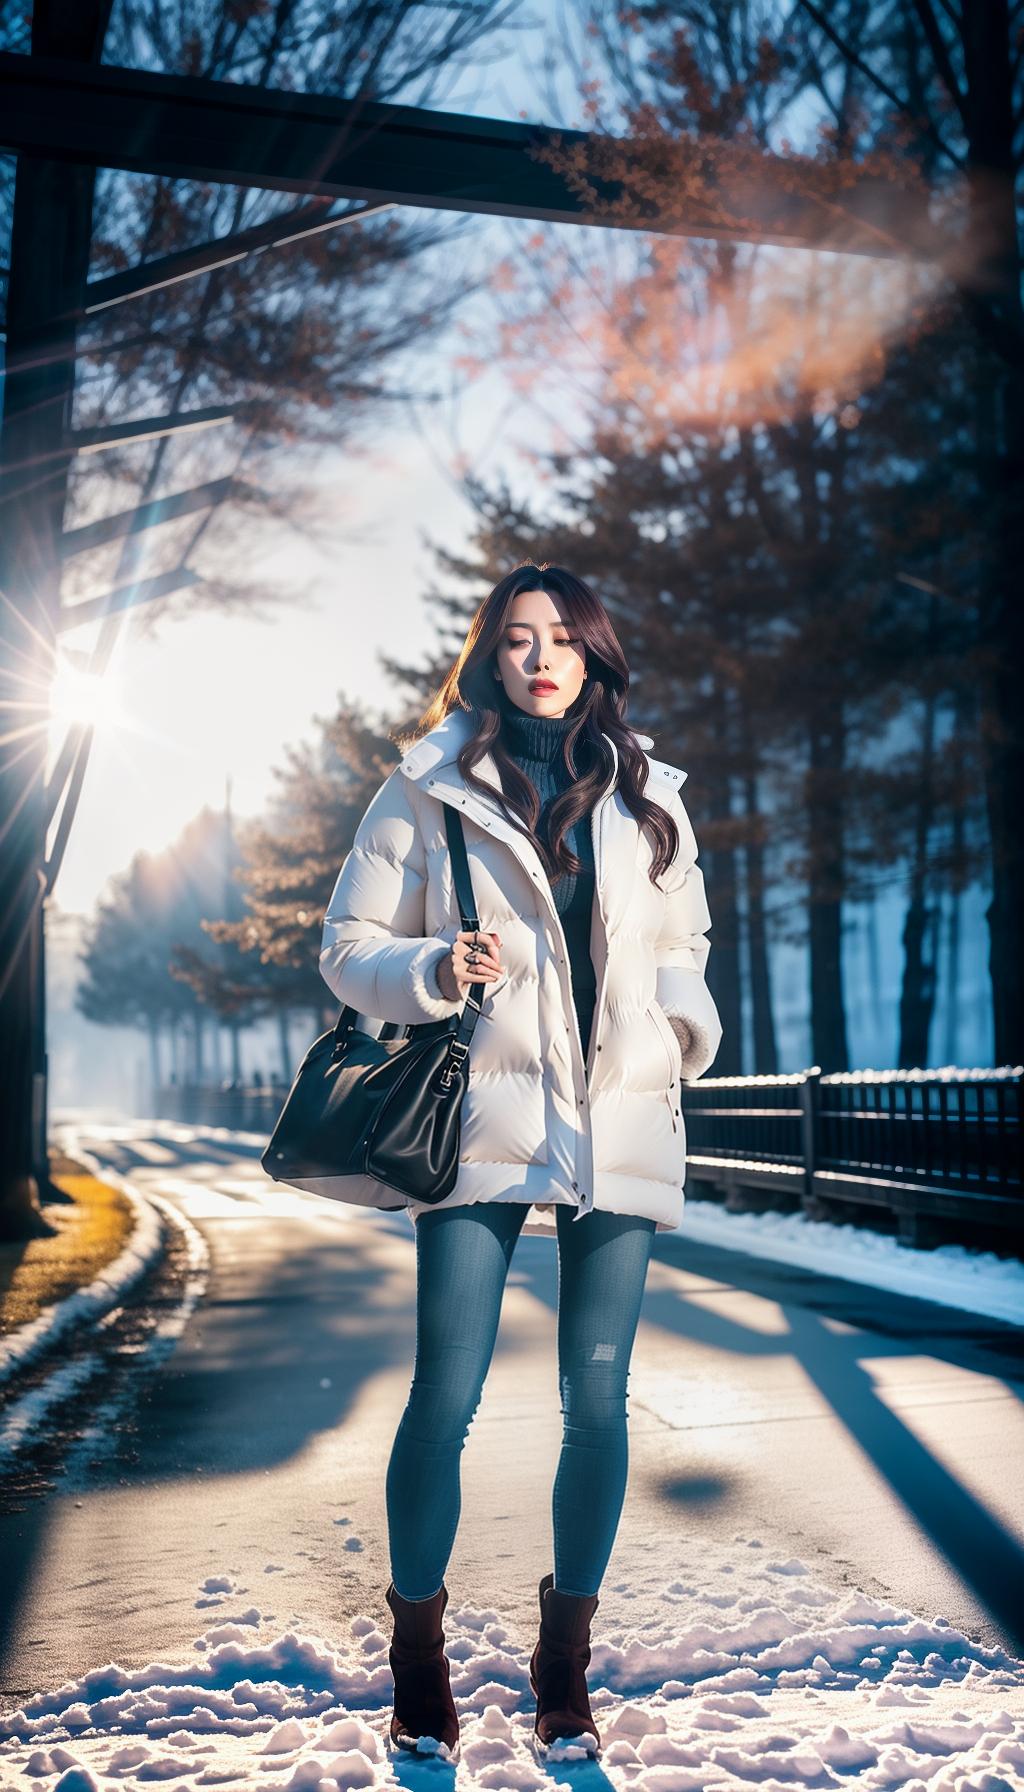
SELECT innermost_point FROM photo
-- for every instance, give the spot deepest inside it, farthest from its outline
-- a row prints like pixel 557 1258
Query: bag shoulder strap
pixel 467 911
pixel 460 868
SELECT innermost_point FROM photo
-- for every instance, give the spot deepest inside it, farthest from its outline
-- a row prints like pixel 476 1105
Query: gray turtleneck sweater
pixel 535 743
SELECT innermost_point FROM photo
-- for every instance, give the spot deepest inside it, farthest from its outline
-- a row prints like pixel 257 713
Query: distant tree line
pixel 223 927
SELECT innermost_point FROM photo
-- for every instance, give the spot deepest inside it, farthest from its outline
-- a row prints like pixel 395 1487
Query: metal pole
pixel 50 240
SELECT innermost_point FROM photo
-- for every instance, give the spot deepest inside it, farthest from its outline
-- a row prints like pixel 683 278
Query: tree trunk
pixel 822 532
pixel 917 995
pixel 876 975
pixel 951 1032
pixel 825 900
pixel 1002 631
pixel 198 1031
pixel 154 1055
pixel 920 928
pixel 287 1069
pixel 766 1055
pixel 994 303
pixel 723 959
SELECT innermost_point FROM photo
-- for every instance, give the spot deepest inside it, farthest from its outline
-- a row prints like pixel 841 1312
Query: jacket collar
pixel 614 830
pixel 441 745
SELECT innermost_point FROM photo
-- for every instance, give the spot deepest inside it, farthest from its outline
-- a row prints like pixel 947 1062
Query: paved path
pixel 879 1439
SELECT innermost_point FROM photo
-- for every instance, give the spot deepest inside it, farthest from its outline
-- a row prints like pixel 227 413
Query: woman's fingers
pixel 482 945
pixel 484 969
pixel 483 948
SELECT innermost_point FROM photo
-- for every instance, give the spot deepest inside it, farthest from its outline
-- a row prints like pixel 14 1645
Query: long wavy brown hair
pixel 599 709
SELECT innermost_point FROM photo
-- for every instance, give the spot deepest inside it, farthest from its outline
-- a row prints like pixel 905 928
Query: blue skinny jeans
pixel 462 1261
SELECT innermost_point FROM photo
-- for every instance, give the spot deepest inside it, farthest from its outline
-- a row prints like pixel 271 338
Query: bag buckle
pixel 450 1067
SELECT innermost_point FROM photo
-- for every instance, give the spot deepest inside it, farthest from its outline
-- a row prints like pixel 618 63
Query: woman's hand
pixel 473 959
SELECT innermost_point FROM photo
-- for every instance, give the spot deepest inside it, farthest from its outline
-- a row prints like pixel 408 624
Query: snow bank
pixel 106 1289
pixel 952 1274
pixel 797 1686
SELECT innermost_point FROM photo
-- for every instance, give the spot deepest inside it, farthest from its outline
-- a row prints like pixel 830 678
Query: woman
pixel 592 951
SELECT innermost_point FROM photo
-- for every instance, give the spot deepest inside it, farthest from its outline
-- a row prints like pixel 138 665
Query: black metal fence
pixel 936 1154
pixel 938 1151
pixel 239 1107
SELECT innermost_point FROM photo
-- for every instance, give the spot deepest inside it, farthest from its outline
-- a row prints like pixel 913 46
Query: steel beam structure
pixel 104 529
pixel 294 226
pixel 51 237
pixel 188 128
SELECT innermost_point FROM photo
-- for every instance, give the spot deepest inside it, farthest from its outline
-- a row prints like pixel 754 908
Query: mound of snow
pixel 797 1686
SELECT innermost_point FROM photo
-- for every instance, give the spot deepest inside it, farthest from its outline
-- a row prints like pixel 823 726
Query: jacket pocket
pixel 674 1055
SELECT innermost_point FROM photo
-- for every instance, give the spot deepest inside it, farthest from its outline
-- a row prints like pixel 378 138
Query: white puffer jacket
pixel 538 1124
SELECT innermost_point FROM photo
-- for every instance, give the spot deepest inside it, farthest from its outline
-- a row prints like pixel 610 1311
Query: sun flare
pixel 80 696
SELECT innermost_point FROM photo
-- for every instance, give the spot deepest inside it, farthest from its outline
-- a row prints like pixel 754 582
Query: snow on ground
pixel 972 1281
pixel 736 1670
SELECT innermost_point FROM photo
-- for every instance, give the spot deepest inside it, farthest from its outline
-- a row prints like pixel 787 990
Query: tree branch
pixel 821 20
pixel 940 53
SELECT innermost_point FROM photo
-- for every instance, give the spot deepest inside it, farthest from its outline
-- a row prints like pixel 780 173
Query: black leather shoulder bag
pixel 388 1107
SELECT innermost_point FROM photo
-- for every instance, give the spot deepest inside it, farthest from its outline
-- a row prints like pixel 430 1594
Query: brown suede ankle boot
pixel 423 1697
pixel 558 1669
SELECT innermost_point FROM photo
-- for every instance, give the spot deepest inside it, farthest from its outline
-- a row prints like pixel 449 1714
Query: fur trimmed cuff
pixel 685 997
pixel 695 1045
pixel 423 984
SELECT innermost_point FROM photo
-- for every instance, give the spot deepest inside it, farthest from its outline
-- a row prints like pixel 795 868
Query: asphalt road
pixel 877 1438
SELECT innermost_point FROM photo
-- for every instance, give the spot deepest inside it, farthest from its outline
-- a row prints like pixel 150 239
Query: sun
pixel 78 696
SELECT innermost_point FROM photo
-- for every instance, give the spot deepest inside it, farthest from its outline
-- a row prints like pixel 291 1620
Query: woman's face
pixel 539 644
